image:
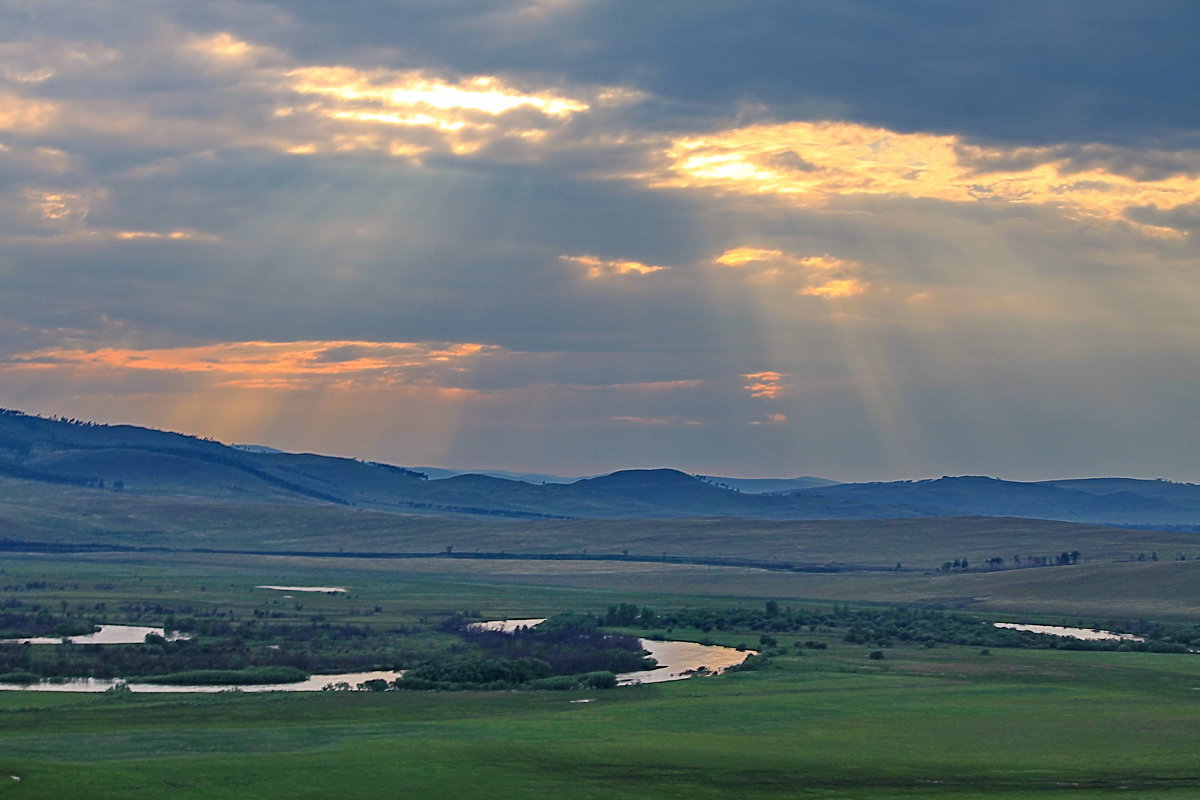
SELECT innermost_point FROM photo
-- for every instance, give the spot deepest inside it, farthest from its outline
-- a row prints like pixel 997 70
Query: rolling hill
pixel 151 463
pixel 1112 501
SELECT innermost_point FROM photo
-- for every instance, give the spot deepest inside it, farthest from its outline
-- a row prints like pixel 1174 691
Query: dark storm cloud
pixel 1024 71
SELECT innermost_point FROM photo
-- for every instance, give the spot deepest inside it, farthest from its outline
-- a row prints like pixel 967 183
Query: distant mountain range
pixel 747 485
pixel 127 458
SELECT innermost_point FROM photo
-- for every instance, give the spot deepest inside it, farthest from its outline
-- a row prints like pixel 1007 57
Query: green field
pixel 943 722
pixel 946 721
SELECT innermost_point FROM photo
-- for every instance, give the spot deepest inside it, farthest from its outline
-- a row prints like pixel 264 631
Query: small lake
pixel 1087 634
pixel 676 660
pixel 108 634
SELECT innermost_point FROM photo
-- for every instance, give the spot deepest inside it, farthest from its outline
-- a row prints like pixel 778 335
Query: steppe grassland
pixel 946 721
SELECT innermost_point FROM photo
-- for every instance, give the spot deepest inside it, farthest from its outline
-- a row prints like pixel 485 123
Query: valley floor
pixel 819 723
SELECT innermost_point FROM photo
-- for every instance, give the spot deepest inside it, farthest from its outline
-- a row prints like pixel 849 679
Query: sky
pixel 865 240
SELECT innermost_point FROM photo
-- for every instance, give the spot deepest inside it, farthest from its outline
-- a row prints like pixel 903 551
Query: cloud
pixel 600 268
pixel 843 162
pixel 271 365
pixel 767 385
pixel 818 276
pixel 835 288
pixel 26 115
pixel 331 198
pixel 657 421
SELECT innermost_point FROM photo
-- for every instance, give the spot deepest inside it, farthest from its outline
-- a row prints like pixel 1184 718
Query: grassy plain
pixel 941 722
pixel 43 513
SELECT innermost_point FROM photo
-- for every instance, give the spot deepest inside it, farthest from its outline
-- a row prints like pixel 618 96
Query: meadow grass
pixel 941 722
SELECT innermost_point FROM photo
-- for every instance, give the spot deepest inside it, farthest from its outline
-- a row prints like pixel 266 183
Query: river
pixel 108 634
pixel 676 661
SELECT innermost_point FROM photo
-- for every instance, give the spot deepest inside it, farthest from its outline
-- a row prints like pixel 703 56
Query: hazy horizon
pixel 858 240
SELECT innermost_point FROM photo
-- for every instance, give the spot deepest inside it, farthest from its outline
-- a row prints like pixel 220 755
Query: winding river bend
pixel 677 660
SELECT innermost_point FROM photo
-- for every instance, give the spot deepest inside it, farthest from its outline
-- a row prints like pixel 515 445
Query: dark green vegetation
pixel 224 677
pixel 566 651
pixel 219 646
pixel 883 627
pixel 145 462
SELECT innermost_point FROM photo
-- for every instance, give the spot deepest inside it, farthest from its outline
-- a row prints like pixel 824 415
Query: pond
pixel 1073 633
pixel 321 589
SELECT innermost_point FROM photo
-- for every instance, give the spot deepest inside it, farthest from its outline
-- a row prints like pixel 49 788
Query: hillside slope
pixel 148 462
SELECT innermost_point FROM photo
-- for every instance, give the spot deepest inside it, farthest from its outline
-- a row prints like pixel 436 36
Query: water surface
pixel 315 683
pixel 322 589
pixel 1073 633
pixel 108 634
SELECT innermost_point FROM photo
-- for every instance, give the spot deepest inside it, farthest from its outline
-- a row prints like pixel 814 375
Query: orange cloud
pixel 24 115
pixel 223 46
pixel 813 163
pixel 600 268
pixel 822 275
pixel 58 206
pixel 836 288
pixel 771 419
pixel 740 256
pixel 273 365
pixel 172 235
pixel 767 385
